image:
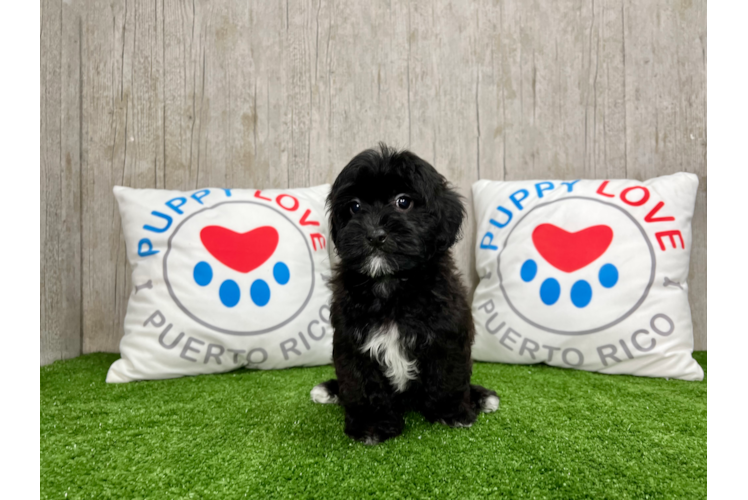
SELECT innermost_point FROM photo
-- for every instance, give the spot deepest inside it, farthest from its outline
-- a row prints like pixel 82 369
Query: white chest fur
pixel 385 346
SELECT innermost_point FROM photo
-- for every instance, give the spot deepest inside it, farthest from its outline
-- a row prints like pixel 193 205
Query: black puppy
pixel 402 325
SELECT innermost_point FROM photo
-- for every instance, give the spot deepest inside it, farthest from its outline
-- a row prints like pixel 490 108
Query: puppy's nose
pixel 376 236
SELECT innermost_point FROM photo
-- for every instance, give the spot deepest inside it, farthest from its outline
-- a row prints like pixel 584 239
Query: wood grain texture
pixel 185 94
pixel 60 266
pixel 123 143
pixel 666 113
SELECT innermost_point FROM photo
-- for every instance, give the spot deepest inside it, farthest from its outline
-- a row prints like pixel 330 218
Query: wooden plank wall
pixel 180 95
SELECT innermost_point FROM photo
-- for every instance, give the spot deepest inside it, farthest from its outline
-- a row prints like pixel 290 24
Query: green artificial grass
pixel 256 434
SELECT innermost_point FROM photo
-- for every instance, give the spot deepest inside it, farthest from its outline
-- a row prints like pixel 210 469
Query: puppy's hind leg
pixel 485 400
pixel 326 393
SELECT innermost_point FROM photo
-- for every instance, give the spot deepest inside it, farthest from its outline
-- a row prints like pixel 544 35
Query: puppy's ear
pixel 331 215
pixel 451 212
pixel 336 201
pixel 444 202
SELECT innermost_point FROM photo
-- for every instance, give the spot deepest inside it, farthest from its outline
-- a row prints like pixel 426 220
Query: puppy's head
pixel 391 211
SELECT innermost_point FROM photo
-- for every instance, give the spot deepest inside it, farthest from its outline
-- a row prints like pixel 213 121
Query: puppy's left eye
pixel 403 203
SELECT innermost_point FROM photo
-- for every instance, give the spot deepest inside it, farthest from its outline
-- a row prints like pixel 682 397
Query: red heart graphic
pixel 241 252
pixel 571 251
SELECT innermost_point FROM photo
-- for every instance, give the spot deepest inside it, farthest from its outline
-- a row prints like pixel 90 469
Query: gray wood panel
pixel 180 95
pixel 60 233
pixel 666 118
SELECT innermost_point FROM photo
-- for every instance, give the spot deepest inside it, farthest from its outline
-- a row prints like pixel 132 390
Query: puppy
pixel 402 325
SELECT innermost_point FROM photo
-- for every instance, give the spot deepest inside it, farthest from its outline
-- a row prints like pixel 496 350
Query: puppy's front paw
pixel 373 433
pixel 369 439
pixel 458 422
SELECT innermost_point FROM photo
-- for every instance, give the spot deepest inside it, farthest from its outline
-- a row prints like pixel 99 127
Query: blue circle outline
pixel 551 289
pixel 229 290
pixel 581 291
pixel 259 291
pixel 528 271
pixel 205 275
pixel 608 275
pixel 281 273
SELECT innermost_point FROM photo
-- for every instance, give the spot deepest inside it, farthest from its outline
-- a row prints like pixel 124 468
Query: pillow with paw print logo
pixel 222 279
pixel 587 274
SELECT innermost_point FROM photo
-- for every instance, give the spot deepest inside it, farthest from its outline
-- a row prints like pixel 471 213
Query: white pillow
pixel 587 274
pixel 224 278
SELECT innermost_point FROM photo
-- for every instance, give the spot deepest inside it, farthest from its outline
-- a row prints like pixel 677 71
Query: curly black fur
pixel 412 298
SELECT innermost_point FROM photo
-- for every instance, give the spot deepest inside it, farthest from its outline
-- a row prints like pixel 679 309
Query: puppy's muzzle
pixel 376 237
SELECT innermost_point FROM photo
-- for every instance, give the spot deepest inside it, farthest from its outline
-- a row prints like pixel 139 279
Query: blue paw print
pixel 581 291
pixel 229 291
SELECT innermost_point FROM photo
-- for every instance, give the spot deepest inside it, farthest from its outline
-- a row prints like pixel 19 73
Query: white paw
pixel 320 395
pixel 370 440
pixel 490 404
pixel 458 425
pixel 455 425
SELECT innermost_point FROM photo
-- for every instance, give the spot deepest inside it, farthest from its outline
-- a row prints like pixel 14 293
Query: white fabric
pixel 223 279
pixel 587 274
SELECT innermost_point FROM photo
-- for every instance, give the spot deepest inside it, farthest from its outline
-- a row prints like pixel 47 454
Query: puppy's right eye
pixel 355 207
